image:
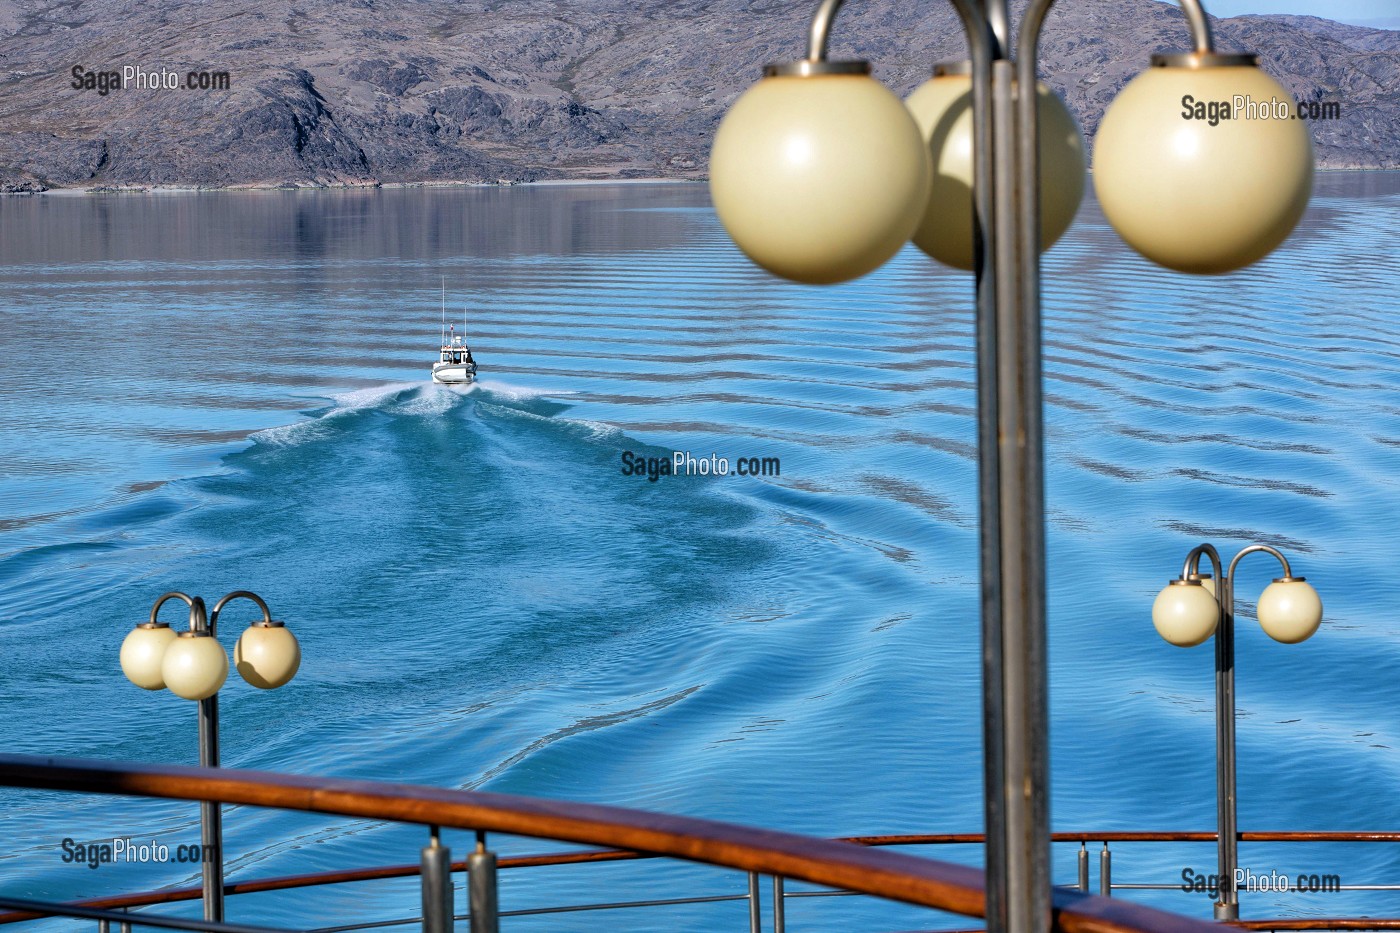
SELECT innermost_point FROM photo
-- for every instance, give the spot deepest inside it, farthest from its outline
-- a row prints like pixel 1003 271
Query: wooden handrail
pixel 343 876
pixel 833 863
pixel 353 875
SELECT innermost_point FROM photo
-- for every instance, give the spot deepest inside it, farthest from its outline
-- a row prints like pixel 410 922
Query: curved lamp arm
pixel 238 594
pixel 1192 567
pixel 1287 571
pixel 198 620
pixel 1196 18
pixel 819 33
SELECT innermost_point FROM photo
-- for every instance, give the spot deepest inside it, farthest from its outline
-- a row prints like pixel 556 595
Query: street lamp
pixel 193 665
pixel 1189 610
pixel 813 172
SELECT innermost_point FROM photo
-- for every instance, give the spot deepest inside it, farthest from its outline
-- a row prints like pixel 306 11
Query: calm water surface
pixel 229 390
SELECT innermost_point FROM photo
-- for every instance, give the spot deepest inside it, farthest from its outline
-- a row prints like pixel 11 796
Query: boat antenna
pixel 444 312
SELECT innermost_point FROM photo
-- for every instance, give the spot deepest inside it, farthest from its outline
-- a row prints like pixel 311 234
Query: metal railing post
pixel 779 908
pixel 1083 869
pixel 481 889
pixel 1106 872
pixel 437 885
pixel 755 905
pixel 211 820
pixel 1228 907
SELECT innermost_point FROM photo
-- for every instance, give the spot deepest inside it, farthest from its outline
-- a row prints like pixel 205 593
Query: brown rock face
pixel 332 93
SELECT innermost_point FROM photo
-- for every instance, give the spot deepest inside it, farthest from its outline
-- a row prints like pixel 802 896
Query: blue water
pixel 228 390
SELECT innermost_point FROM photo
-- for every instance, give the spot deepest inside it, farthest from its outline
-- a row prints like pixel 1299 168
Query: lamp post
pixel 819 176
pixel 1188 611
pixel 194 666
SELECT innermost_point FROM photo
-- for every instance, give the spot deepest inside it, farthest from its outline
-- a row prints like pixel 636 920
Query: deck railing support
pixel 437 885
pixel 481 889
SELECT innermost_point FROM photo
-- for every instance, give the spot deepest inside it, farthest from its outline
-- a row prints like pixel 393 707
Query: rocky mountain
pixel 328 92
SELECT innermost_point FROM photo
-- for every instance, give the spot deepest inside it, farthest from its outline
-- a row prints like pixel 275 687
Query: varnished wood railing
pixel 862 868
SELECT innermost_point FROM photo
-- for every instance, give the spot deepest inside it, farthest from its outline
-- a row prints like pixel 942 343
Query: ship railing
pixel 836 867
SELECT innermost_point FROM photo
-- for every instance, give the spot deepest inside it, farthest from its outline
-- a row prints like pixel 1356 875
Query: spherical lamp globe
pixel 1185 614
pixel 1289 610
pixel 1199 164
pixel 195 666
pixel 267 655
pixel 819 177
pixel 143 651
pixel 942 108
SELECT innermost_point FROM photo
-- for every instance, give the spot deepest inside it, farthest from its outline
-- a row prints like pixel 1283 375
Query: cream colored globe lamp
pixel 195 665
pixel 818 171
pixel 1289 610
pixel 267 654
pixel 1199 164
pixel 942 108
pixel 143 651
pixel 1185 613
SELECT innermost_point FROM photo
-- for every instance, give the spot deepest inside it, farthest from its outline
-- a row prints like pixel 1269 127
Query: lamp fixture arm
pixel 819 33
pixel 238 594
pixel 1287 571
pixel 1196 19
pixel 1193 561
pixel 199 621
pixel 155 609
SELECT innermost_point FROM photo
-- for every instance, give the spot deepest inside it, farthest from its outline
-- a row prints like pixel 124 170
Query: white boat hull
pixel 453 374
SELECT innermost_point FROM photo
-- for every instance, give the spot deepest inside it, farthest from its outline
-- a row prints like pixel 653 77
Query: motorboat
pixel 454 365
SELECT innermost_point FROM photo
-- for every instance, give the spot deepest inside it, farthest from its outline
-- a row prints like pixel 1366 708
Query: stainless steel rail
pixel 781 894
pixel 900 877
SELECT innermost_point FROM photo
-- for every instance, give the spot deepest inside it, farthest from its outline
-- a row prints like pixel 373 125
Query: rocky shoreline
pixel 332 94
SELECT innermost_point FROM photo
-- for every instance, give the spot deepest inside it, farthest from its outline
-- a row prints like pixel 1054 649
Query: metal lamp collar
pixel 1202 60
pixel 960 68
pixel 1187 581
pixel 810 68
pixel 1288 579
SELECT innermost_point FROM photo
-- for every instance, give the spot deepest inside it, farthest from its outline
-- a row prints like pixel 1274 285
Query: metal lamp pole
pixel 1289 611
pixel 194 666
pixel 819 174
